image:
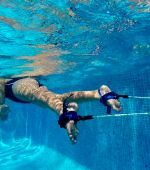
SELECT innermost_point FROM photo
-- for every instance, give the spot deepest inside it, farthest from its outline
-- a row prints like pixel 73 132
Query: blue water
pixel 94 43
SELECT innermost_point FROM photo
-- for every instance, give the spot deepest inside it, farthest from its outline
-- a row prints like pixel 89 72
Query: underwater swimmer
pixel 29 90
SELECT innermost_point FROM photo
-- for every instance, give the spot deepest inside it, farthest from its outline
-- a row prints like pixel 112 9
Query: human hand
pixel 72 131
pixel 115 104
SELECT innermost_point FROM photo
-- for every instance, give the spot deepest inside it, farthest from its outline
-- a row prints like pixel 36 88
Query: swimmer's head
pixel 72 106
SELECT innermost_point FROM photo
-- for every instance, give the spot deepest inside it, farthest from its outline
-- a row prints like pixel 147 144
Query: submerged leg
pixel 28 90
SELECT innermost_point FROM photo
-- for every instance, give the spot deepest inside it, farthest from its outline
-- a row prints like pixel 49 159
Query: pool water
pixel 77 45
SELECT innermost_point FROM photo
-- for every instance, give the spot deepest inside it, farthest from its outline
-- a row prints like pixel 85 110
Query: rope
pixel 120 115
pixel 139 97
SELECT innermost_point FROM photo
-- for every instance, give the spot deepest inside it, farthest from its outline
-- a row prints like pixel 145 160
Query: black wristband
pixel 66 117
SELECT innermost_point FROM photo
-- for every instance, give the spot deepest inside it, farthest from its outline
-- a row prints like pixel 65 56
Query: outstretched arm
pixel 83 96
pixel 80 96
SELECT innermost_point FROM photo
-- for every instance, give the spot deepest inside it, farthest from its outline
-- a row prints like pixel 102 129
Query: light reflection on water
pixel 22 154
pixel 37 36
pixel 17 151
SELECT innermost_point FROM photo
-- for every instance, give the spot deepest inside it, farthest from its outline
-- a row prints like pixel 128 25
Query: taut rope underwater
pixel 139 97
pixel 120 115
pixel 88 117
pixel 72 115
